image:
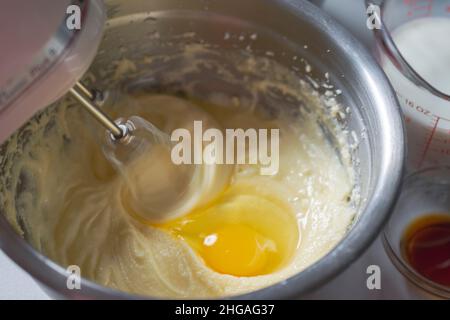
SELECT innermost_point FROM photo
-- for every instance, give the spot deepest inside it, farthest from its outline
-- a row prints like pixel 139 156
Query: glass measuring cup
pixel 425 104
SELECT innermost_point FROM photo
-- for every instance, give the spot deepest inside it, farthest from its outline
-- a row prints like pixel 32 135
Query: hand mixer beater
pixel 156 189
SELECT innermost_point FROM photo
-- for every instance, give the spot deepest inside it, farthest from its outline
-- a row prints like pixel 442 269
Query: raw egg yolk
pixel 236 249
pixel 245 232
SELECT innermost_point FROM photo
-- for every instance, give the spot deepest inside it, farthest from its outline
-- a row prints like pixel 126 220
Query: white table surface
pixel 16 284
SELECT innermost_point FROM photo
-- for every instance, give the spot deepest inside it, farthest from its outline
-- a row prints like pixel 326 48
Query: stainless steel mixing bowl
pixel 285 29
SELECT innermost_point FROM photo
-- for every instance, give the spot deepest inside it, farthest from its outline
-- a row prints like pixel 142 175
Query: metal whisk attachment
pixel 87 98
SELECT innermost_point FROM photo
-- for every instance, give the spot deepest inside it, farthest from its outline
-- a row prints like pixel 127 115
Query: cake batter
pixel 72 205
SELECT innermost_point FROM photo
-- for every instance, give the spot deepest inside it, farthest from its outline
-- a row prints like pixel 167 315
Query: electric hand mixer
pixel 42 59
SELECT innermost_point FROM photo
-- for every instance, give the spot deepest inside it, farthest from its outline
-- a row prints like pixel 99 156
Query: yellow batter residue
pixel 255 232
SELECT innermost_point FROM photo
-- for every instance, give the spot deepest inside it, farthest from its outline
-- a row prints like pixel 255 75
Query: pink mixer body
pixel 42 55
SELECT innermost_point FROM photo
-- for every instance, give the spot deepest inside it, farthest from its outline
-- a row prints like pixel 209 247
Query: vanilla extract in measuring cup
pixel 414 51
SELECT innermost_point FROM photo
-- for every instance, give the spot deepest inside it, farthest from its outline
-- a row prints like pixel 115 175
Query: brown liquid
pixel 426 246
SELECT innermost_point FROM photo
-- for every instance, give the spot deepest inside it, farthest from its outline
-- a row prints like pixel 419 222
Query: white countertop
pixel 16 283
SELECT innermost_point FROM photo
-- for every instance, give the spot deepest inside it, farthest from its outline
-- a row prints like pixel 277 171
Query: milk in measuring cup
pixel 425 44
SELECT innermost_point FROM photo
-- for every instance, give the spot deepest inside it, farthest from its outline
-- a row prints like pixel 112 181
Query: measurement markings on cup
pixel 429 140
pixel 419 8
pixel 435 133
